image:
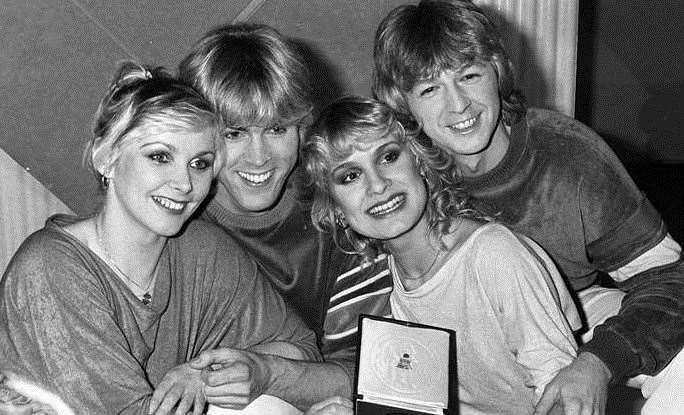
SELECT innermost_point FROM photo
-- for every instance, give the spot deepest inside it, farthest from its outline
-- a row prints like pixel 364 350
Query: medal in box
pixel 404 368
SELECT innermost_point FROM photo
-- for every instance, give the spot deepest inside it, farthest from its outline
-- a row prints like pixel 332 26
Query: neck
pixel 472 165
pixel 417 255
pixel 133 252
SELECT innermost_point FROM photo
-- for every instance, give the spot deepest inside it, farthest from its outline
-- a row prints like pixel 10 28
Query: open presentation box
pixel 404 368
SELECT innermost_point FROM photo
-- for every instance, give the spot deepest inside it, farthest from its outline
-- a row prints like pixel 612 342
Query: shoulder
pixel 202 235
pixel 42 249
pixel 493 248
pixel 567 140
pixel 47 262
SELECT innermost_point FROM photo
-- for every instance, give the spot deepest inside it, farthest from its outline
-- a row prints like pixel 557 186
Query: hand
pixel 232 378
pixel 336 405
pixel 181 388
pixel 579 389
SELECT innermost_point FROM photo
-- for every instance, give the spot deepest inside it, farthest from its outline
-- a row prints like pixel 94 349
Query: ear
pixel 103 157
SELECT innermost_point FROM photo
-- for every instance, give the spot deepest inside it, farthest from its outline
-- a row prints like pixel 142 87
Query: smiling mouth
pixel 255 179
pixel 464 126
pixel 171 205
pixel 389 206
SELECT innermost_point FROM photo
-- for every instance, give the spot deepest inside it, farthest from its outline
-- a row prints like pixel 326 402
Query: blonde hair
pixel 252 75
pixel 141 99
pixel 352 119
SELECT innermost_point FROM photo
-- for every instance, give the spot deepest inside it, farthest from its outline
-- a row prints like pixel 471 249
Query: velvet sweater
pixel 71 325
pixel 560 184
pixel 327 287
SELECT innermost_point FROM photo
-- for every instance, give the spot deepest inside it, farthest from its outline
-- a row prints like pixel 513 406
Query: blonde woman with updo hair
pixel 106 310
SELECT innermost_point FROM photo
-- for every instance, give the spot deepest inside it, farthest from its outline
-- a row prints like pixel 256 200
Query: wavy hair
pixel 414 43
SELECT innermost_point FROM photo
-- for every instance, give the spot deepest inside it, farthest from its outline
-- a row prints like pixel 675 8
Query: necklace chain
pixel 146 297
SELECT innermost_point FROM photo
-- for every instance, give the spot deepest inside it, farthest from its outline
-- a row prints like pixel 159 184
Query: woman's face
pixel 159 179
pixel 378 188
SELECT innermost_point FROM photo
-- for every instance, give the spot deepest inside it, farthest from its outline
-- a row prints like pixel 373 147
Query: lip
pixel 388 206
pixel 256 179
pixel 170 205
pixel 465 126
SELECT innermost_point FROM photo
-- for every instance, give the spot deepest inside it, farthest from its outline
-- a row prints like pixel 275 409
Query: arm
pixel 252 317
pixel 621 227
pixel 517 273
pixel 239 376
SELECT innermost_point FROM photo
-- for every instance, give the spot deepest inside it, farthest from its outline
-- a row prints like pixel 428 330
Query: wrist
pixel 595 362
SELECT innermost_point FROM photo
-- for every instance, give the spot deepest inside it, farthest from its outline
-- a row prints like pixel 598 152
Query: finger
pixel 236 372
pixel 573 407
pixel 215 356
pixel 233 403
pixel 546 402
pixel 239 389
pixel 169 401
pixel 200 403
pixel 335 400
pixel 158 396
pixel 184 405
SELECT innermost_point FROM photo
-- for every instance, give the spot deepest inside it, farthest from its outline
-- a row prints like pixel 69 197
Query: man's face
pixel 258 162
pixel 460 110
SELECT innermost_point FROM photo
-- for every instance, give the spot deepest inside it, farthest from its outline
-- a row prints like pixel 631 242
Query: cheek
pixel 232 153
pixel 287 150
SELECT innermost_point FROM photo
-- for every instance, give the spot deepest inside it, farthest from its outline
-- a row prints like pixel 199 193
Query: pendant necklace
pixel 146 296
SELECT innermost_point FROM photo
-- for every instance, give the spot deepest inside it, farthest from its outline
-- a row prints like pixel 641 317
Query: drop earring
pixel 341 221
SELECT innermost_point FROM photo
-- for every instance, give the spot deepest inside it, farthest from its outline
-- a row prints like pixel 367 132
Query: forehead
pixel 362 146
pixel 178 139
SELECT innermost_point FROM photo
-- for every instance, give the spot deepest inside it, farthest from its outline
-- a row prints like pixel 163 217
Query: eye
pixel 390 156
pixel 471 74
pixel 426 91
pixel 160 157
pixel 201 163
pixel 277 130
pixel 233 133
pixel 347 177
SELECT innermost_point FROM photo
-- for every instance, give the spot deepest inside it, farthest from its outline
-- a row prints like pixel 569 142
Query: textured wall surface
pixel 57 56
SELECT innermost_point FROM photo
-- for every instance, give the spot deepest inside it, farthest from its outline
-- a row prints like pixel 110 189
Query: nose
pixel 182 181
pixel 457 99
pixel 258 152
pixel 377 183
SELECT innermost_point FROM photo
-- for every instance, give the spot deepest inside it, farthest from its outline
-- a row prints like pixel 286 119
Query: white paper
pixel 263 405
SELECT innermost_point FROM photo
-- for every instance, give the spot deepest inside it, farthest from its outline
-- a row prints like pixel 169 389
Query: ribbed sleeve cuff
pixel 620 359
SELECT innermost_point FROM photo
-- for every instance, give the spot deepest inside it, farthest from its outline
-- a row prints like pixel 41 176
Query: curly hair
pixel 353 119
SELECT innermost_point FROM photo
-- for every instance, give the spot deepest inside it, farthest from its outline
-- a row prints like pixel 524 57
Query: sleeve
pixel 255 311
pixel 535 328
pixel 647 332
pixel 620 225
pixel 59 330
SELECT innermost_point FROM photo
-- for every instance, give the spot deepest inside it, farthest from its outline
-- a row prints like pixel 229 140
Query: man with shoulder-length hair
pixel 442 64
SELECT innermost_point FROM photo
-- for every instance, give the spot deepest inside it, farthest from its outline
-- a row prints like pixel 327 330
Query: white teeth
pixel 169 204
pixel 464 124
pixel 387 207
pixel 256 178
